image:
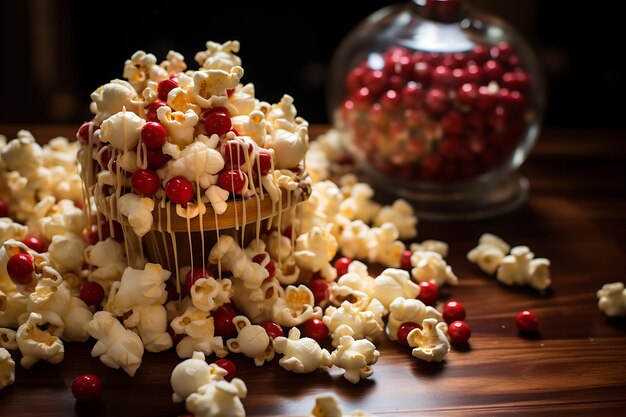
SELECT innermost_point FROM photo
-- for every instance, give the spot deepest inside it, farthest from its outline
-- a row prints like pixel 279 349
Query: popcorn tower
pixel 182 159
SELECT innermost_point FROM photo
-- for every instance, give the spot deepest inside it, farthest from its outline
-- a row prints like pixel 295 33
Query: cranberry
pixel 176 337
pixel 229 367
pixel 527 321
pixel 501 51
pixel 20 268
pixel 35 244
pixel 232 180
pixel 391 100
pixel 473 73
pixel 86 387
pixel 486 100
pixel 153 135
pixel 217 123
pixel 195 274
pixel 179 190
pixel 492 70
pixel 83 132
pixel 480 53
pixel 421 72
pixel 396 82
pixel 165 87
pixel 4 208
pixel 453 122
pixel 92 293
pixel 156 158
pixel 265 163
pixel 234 153
pixel 362 96
pixel 403 66
pixel 405 260
pixel 341 265
pixel 442 75
pixel 354 80
pixel 270 265
pixel 404 330
pixel 437 100
pixel 412 94
pixel 468 94
pixel 151 110
pixel 320 289
pixel 223 321
pixel 272 329
pixel 459 332
pixel 429 293
pixel 453 311
pixel 375 81
pixel 315 329
pixel 145 182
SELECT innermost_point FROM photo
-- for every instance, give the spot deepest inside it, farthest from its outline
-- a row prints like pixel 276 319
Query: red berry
pixel 156 158
pixel 83 132
pixel 194 275
pixel 429 293
pixel 527 321
pixel 234 153
pixel 176 337
pixel 391 100
pixel 232 180
pixel 374 81
pixel 265 163
pixel 362 96
pixel 405 260
pixel 320 289
pixel 35 244
pixel 151 110
pixel 272 329
pixel 217 123
pixel 341 265
pixel 86 387
pixel 20 268
pixel 229 367
pixel 453 122
pixel 492 70
pixel 468 94
pixel 354 80
pixel 480 53
pixel 223 321
pixel 453 311
pixel 165 87
pixel 145 182
pixel 92 293
pixel 437 100
pixel 459 332
pixel 4 208
pixel 404 330
pixel 179 190
pixel 412 95
pixel 421 72
pixel 153 135
pixel 315 329
pixel 442 75
pixel 270 265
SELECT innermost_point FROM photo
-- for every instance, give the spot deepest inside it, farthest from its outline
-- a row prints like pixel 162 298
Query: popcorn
pixel 66 252
pixel 36 344
pixel 218 399
pixel 113 98
pixel 116 346
pixel 179 125
pixel 295 306
pixel 197 162
pixel 207 294
pixel 301 356
pixel 137 211
pixel 234 259
pixel 219 56
pixel 7 369
pixel 142 67
pixel 521 267
pixel 11 230
pixel 23 155
pixel 108 258
pixel 250 122
pixel 315 250
pixel 489 253
pixel 191 374
pixel 612 299
pixel 326 406
pixel 354 240
pixel 359 204
pixel 121 130
pixel 356 286
pixel 430 266
pixel 210 86
pixel 41 263
pixel 217 197
pixel 12 305
pixel 257 304
pixel 150 322
pixel 289 147
pixel 401 214
pixel 356 357
pixel 392 284
pixel 403 310
pixel 431 245
pixel 251 340
pixel 430 343
pixel 174 63
pixel 278 246
pixel 51 218
pixel 140 288
pixel 8 339
pixel 384 247
pixel 350 319
pixel 200 331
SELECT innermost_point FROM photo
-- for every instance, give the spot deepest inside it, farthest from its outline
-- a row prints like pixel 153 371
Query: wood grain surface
pixel 577 367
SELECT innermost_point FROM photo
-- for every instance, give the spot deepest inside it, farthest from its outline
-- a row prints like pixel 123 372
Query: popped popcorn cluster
pixel 612 299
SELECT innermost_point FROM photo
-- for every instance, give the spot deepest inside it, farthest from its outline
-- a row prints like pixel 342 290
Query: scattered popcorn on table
pixel 301 356
pixel 430 343
pixel 522 268
pixel 393 284
pixel 403 310
pixel 430 266
pixel 401 214
pixel 8 339
pixel 191 374
pixel 218 399
pixel 431 245
pixel 252 341
pixel 199 329
pixel 295 306
pixel 7 369
pixel 356 357
pixel 36 344
pixel 489 253
pixel 352 320
pixel 327 406
pixel 612 299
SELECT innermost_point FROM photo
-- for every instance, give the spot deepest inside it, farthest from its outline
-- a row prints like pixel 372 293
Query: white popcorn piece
pixel 315 250
pixel 392 284
pixel 11 230
pixel 355 357
pixel 430 343
pixel 257 304
pixel 401 214
pixel 12 305
pixel 287 272
pixel 51 218
pixel 207 294
pixel 356 286
pixel 210 86
pixel 359 204
pixel 197 162
pixel 36 344
pixel 174 63
pixel 191 374
pixel 150 322
pixel 22 154
pixel 218 399
pixel 327 406
pixel 278 246
pixel 179 125
pixel 289 147
pixel 7 369
pixel 66 252
pixel 200 331
pixel 489 253
pixel 141 288
pixel 137 211
pixel 430 266
pixel 8 339
pixel 234 259
pixel 108 258
pixel 384 247
pixel 243 99
pixel 219 56
pixel 116 346
pixel 142 67
pixel 354 240
pixel 121 130
pixel 410 310
pixel 295 306
pixel 350 319
pixel 522 268
pixel 75 319
pixel 301 356
pixel 113 97
pixel 217 197
pixel 431 245
pixel 252 340
pixel 612 299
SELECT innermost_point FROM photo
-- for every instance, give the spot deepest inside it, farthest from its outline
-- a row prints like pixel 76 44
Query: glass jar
pixel 440 105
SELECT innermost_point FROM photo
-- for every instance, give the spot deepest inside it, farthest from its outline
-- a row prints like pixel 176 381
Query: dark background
pixel 54 53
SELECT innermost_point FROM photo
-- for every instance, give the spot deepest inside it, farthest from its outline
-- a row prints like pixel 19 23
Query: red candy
pixel 4 208
pixel 453 311
pixel 165 87
pixel 153 135
pixel 405 260
pixel 217 123
pixel 92 293
pixel 223 321
pixel 145 182
pixel 20 268
pixel 272 329
pixel 86 388
pixel 315 329
pixel 229 367
pixel 341 265
pixel 232 180
pixel 320 289
pixel 35 244
pixel 459 332
pixel 429 293
pixel 527 321
pixel 179 190
pixel 404 330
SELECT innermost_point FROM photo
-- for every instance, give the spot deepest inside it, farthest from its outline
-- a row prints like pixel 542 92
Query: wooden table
pixel 575 217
